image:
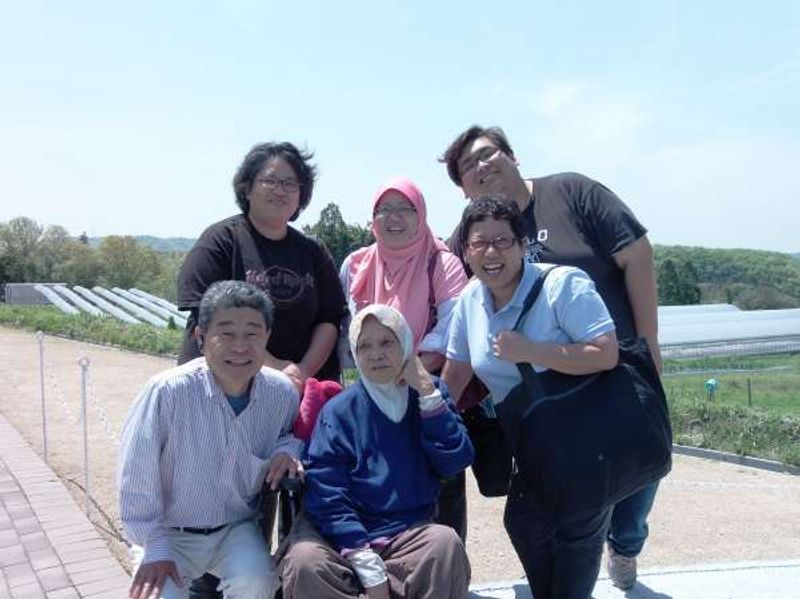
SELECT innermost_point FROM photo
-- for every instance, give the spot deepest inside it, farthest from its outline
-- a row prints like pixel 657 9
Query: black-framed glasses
pixel 501 242
pixel 273 183
pixel 402 210
pixel 485 154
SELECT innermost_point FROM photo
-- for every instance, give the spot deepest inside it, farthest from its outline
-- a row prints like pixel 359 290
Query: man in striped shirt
pixel 198 445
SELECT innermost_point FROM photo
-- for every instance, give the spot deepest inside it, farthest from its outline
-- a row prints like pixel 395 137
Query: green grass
pixel 84 327
pixel 769 428
pixel 741 430
pixel 776 392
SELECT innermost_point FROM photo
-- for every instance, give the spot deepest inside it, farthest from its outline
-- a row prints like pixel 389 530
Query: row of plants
pixel 96 329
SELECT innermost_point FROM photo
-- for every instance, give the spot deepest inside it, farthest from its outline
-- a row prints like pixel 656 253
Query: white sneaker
pixel 621 570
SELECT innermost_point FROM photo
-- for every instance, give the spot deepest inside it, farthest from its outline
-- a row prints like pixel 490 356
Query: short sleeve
pixel 331 299
pixel 449 278
pixel 210 260
pixel 612 223
pixel 458 343
pixel 579 309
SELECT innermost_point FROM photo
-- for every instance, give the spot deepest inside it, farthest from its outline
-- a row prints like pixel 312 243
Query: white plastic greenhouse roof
pixel 698 326
pixel 695 309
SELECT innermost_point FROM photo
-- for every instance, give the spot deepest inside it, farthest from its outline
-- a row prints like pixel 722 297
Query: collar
pixel 529 275
pixel 214 392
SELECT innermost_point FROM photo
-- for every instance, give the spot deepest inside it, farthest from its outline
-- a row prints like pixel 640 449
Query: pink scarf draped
pixel 397 277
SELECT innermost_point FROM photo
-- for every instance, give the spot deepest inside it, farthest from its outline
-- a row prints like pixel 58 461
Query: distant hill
pixel 159 244
pixel 750 279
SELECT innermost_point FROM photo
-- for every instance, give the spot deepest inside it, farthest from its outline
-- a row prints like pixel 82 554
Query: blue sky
pixel 130 118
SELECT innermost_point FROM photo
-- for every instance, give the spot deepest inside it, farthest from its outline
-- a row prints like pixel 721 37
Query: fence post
pixel 40 347
pixel 84 364
pixel 749 394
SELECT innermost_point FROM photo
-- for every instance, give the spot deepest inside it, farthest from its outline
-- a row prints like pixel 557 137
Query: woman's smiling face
pixel 396 220
pixel 499 269
pixel 378 352
pixel 274 195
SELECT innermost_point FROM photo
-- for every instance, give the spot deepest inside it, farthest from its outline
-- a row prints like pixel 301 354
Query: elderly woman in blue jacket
pixel 375 460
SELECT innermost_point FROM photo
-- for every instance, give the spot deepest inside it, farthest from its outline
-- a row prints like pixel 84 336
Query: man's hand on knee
pixel 150 578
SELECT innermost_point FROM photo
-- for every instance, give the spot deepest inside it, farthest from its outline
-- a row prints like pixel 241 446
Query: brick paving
pixel 48 548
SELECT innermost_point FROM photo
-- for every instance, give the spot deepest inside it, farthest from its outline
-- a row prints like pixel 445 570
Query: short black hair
pixel 256 158
pixel 233 294
pixel 496 207
pixel 456 148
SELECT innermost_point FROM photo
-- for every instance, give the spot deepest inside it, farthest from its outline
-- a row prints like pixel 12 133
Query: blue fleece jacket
pixel 368 477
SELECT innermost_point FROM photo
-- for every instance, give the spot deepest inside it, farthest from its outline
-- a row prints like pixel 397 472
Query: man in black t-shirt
pixel 573 220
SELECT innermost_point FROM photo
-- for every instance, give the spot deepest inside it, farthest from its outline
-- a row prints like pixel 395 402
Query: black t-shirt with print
pixel 577 221
pixel 298 272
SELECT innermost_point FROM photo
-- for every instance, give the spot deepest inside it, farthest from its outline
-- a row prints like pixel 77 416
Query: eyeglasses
pixel 403 210
pixel 485 154
pixel 272 184
pixel 499 243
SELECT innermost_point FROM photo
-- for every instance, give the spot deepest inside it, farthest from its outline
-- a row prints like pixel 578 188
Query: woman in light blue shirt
pixel 568 329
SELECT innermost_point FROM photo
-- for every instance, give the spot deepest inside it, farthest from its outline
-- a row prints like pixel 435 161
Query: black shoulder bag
pixel 583 442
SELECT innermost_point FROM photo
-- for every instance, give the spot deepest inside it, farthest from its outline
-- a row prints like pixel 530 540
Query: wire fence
pixel 64 413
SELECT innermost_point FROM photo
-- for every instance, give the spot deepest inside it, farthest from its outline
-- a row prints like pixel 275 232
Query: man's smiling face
pixel 485 169
pixel 235 347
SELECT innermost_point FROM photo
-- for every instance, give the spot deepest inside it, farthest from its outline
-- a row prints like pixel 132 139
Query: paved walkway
pixel 48 548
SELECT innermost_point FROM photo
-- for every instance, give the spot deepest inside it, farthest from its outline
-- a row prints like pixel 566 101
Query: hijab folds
pixel 397 277
pixel 391 398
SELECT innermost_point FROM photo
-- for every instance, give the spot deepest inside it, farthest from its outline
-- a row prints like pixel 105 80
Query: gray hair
pixel 233 294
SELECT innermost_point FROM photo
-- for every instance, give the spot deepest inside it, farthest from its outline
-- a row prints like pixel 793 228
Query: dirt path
pixel 705 511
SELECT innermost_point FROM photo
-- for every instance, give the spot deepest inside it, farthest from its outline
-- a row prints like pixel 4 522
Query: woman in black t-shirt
pixel 273 185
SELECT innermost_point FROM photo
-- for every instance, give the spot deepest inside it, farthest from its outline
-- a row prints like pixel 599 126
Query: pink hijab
pixel 397 277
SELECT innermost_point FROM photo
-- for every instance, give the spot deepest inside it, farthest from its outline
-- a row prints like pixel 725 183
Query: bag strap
pixel 431 291
pixel 526 371
pixel 532 296
pixel 512 420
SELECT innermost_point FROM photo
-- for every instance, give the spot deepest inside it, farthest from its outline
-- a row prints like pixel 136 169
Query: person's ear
pixel 198 335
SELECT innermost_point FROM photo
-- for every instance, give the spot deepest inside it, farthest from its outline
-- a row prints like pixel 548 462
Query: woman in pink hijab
pixel 406 268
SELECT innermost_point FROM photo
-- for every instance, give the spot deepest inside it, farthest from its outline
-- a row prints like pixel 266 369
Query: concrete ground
pixel 748 580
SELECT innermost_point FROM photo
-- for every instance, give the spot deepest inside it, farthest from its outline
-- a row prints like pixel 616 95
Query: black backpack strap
pixel 532 296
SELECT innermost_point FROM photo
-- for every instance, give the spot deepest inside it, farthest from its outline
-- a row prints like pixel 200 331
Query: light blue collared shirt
pixel 568 310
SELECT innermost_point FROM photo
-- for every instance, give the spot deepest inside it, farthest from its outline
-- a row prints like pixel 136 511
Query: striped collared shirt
pixel 188 461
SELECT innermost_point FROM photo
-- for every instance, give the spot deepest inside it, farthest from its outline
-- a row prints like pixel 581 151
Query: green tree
pixel 126 262
pixel 689 283
pixel 81 265
pixel 338 236
pixel 51 251
pixel 166 283
pixel 669 288
pixel 739 270
pixel 18 244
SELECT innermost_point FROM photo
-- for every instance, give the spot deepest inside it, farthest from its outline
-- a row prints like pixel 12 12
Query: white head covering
pixel 391 398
